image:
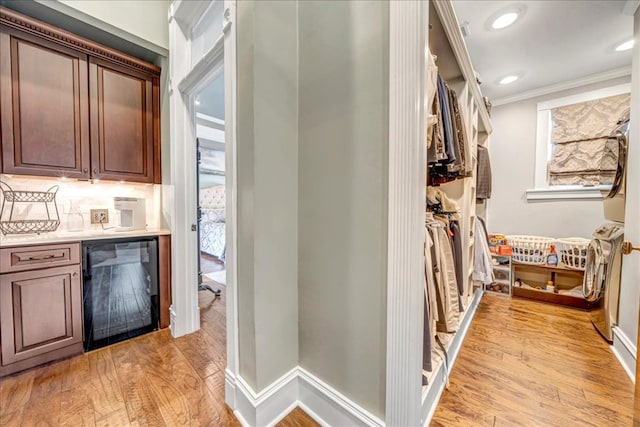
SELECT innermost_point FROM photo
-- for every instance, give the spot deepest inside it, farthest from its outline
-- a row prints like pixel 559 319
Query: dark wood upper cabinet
pixel 45 108
pixel 71 107
pixel 121 123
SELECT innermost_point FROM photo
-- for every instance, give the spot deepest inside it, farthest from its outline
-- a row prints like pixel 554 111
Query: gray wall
pixel 267 190
pixel 512 147
pixel 343 131
pixel 312 193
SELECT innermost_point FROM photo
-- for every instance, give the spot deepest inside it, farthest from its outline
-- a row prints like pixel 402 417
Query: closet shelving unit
pixel 454 65
pixel 503 272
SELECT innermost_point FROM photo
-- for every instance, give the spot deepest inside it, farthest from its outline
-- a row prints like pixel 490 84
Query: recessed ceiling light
pixel 508 79
pixel 625 46
pixel 503 21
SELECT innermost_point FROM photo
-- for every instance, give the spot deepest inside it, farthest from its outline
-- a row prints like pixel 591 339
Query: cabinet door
pixel 40 311
pixel 45 107
pixel 122 134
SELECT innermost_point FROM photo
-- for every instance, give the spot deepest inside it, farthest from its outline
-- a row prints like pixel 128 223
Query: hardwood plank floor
pixel 151 380
pixel 526 363
pixel 523 363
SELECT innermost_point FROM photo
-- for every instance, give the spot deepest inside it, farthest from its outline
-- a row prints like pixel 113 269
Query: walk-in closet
pixel 458 128
pixel 531 205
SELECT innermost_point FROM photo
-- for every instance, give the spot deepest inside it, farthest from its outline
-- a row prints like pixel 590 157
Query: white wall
pixel 512 148
pixel 146 19
pixel 630 282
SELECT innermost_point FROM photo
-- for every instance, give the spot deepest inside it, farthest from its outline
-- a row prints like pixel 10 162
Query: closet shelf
pixel 548 296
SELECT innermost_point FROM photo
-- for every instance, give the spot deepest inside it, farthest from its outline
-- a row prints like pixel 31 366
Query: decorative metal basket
pixel 29 226
pixel 26 226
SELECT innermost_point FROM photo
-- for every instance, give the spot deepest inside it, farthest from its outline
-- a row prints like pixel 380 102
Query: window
pixel 574 157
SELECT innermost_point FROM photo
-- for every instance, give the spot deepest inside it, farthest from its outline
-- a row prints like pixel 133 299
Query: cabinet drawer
pixel 34 257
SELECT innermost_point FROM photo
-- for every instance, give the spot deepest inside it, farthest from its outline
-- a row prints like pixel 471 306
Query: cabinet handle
pixel 95 170
pixel 43 257
pixel 74 274
pixel 85 170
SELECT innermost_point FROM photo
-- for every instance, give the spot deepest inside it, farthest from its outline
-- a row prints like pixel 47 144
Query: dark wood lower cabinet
pixel 40 315
pixel 41 302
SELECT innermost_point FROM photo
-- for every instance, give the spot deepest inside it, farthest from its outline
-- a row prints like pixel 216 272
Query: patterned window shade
pixel 583 152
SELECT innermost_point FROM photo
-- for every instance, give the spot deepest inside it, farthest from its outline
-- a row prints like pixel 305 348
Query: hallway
pixel 526 363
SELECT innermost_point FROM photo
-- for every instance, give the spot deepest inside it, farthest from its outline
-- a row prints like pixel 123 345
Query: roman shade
pixel 582 151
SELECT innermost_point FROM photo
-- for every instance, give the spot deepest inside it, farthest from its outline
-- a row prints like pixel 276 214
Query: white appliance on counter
pixel 133 215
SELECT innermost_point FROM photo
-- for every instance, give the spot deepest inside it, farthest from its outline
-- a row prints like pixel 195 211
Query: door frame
pixel 186 80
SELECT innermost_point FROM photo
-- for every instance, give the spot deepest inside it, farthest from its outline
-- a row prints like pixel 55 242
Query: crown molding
pixel 545 90
pixel 34 27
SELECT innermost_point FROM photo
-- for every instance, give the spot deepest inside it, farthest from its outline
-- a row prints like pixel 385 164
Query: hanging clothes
pixel 429 309
pixel 430 283
pixel 457 253
pixel 445 110
pixel 456 160
pixel 426 347
pixel 483 175
pixel 444 272
pixel 431 105
pixel 458 133
pixel 482 265
pixel 436 150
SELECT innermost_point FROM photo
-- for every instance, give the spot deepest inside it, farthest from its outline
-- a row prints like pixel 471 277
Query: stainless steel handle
pixel 621 140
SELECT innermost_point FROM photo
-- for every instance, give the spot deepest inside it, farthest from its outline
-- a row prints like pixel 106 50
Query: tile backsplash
pixel 82 194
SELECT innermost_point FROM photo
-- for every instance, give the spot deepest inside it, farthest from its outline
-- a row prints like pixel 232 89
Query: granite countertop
pixel 71 236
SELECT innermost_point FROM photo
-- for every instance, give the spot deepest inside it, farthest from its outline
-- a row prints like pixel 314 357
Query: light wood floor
pixel 526 363
pixel 152 380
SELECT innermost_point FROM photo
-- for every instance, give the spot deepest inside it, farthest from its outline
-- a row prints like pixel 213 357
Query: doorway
pixel 203 39
pixel 210 144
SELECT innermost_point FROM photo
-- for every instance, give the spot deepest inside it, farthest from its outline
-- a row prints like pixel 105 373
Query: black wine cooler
pixel 120 289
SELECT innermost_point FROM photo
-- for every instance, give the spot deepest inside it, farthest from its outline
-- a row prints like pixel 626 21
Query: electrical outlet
pixel 99 216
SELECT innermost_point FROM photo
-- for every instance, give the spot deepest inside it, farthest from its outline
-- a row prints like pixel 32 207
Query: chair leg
pixel 202 287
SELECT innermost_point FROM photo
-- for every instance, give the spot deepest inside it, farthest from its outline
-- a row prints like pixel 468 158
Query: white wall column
pixel 407 163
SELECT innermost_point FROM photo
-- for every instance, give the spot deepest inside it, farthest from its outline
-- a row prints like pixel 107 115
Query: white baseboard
pixel 298 387
pixel 266 408
pixel 229 388
pixel 330 407
pixel 438 380
pixel 625 351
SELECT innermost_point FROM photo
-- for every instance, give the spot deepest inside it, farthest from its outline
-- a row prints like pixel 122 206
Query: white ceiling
pixel 552 42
